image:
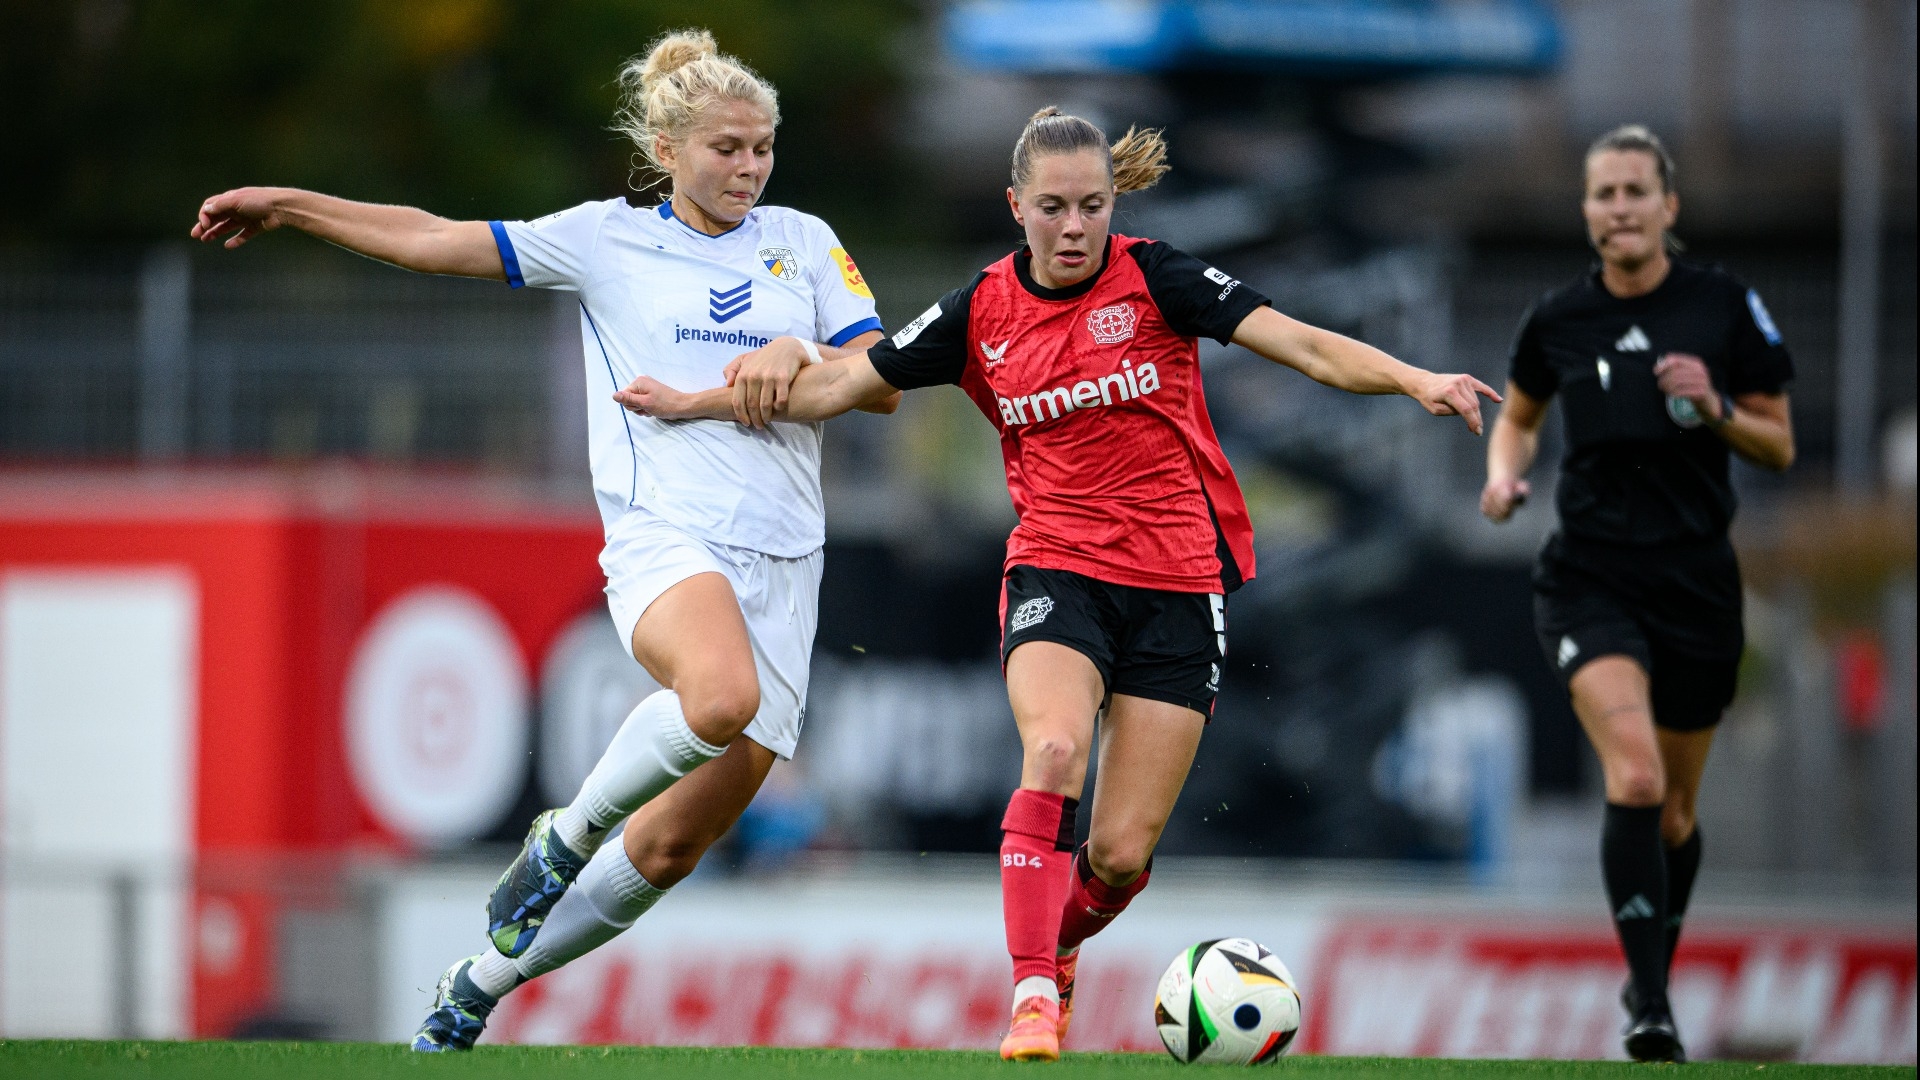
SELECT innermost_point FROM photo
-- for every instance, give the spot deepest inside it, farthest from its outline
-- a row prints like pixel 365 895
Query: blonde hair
pixel 1134 163
pixel 668 90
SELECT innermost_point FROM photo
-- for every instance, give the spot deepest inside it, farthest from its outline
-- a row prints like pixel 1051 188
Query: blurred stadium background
pixel 299 612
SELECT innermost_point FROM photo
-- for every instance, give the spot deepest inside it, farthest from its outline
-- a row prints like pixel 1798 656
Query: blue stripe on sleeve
pixel 854 331
pixel 508 260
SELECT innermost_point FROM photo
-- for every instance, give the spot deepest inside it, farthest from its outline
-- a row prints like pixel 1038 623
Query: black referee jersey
pixel 1641 565
pixel 1642 470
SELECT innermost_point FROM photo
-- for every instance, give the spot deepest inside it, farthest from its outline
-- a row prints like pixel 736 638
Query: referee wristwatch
pixel 1726 411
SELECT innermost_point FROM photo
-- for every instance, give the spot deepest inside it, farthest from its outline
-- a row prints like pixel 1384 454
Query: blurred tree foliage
pixel 118 116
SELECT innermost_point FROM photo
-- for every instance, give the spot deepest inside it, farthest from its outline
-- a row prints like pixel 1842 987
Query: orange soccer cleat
pixel 1035 1035
pixel 1063 979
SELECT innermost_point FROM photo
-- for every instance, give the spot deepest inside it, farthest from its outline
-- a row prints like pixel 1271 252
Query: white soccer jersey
pixel 659 299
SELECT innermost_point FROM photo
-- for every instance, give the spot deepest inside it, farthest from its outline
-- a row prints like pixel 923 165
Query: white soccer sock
pixel 653 748
pixel 1032 986
pixel 494 974
pixel 606 899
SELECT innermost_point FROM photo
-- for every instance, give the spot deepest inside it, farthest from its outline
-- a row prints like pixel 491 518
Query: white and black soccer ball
pixel 1228 1002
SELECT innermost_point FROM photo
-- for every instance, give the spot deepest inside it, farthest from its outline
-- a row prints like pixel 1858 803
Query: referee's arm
pixel 1758 427
pixel 1510 451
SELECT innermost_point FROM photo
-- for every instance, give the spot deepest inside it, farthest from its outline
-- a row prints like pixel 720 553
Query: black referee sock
pixel 1683 864
pixel 1633 858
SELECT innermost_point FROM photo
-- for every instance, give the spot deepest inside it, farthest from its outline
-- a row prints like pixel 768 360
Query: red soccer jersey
pixel 1112 462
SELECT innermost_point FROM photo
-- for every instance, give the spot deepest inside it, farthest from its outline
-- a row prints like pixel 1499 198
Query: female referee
pixel 1662 367
pixel 1082 350
pixel 713 534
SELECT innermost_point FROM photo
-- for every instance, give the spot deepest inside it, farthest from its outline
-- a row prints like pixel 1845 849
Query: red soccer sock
pixel 1092 903
pixel 1035 863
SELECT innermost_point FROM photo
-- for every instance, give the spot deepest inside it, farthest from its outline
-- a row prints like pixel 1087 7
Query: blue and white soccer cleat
pixel 460 1011
pixel 539 876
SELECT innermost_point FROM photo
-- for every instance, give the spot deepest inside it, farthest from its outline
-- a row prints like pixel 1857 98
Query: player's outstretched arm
pixel 400 235
pixel 1510 452
pixel 819 392
pixel 1354 366
pixel 762 378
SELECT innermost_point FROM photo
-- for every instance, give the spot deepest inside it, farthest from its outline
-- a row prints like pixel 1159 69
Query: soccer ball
pixel 1228 1002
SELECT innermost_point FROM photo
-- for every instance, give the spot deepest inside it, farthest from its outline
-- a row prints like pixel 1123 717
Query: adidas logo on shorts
pixel 1033 611
pixel 1637 908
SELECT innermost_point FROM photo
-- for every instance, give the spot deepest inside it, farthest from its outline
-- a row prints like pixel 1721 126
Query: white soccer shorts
pixel 780 598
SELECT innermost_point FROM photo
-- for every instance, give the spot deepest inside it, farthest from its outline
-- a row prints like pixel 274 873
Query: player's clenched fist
pixel 761 379
pixel 1500 498
pixel 650 398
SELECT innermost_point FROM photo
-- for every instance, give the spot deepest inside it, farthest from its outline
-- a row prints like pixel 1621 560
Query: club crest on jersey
pixel 723 306
pixel 780 262
pixel 1111 324
pixel 1031 613
pixel 995 357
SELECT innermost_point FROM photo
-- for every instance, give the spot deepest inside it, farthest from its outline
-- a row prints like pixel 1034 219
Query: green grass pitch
pixel 51 1060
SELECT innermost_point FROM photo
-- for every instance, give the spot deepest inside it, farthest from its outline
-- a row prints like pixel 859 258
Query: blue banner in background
pixel 1324 38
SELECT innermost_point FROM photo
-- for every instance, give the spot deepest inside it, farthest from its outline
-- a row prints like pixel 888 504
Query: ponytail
pixel 1135 163
pixel 1139 160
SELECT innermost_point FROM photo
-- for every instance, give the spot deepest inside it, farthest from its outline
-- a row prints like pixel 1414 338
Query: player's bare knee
pixel 1636 783
pixel 1119 862
pixel 1677 820
pixel 1054 756
pixel 720 711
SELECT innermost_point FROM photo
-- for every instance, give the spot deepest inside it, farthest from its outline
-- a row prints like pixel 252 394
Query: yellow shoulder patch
pixel 850 273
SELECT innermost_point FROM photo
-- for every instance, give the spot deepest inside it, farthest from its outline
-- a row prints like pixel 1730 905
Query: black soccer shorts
pixel 1148 643
pixel 1676 611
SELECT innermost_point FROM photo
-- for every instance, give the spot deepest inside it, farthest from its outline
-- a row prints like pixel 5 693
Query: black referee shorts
pixel 1675 610
pixel 1165 646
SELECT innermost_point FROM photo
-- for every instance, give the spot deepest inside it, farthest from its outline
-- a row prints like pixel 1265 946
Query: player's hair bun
pixel 668 90
pixel 674 51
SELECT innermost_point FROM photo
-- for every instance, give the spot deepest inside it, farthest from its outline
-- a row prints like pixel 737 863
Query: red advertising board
pixel 358 636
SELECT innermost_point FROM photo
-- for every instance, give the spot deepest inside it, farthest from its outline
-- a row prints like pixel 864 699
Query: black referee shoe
pixel 1651 1036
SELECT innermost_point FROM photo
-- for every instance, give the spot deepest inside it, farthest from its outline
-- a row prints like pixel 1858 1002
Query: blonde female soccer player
pixel 1082 350
pixel 713 530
